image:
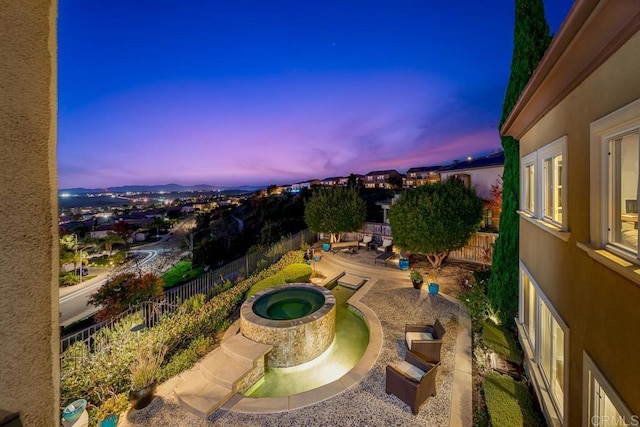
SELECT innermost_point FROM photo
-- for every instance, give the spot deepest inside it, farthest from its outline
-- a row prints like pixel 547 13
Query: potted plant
pixel 144 371
pixel 416 279
pixel 109 412
pixel 433 286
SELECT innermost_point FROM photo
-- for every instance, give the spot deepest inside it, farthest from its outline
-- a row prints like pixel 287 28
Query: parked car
pixel 85 271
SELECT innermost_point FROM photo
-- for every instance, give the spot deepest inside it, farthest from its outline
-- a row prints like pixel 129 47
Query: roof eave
pixel 591 33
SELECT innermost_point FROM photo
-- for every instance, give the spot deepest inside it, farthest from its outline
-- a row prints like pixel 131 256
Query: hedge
pixel 509 402
pixel 294 273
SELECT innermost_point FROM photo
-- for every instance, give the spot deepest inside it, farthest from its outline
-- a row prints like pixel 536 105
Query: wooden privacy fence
pixel 479 249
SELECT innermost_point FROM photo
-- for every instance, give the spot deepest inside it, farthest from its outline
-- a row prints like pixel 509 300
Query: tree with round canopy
pixel 435 219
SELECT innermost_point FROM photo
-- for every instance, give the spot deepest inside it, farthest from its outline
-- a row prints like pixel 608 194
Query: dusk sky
pixel 275 92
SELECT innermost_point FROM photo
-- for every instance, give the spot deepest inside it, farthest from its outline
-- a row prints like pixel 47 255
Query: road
pixel 73 302
pixel 158 257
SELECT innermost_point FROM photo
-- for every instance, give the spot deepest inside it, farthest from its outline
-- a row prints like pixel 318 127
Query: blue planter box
pixel 403 264
pixel 326 247
pixel 433 288
pixel 110 421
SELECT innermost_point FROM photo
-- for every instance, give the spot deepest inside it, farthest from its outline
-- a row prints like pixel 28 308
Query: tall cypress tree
pixel 531 39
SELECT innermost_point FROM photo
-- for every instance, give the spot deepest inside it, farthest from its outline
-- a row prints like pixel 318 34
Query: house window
pixel 529 308
pixel 545 337
pixel 614 174
pixel 528 166
pixel 552 354
pixel 603 406
pixel 543 194
pixel 623 191
pixel 552 186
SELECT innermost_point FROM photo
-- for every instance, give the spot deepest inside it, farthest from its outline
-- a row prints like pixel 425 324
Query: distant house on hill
pixel 299 186
pixel 383 179
pixel 416 177
pixel 332 181
pixel 102 231
pixel 480 173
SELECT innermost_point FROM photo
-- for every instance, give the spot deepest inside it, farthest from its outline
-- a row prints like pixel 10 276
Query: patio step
pixel 242 348
pixel 219 375
pixel 224 369
pixel 351 281
pixel 200 396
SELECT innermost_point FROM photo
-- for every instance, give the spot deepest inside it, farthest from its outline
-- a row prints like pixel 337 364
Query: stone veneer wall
pixel 29 319
pixel 252 377
pixel 295 344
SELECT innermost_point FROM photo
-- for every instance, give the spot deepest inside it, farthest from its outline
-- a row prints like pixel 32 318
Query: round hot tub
pixel 297 319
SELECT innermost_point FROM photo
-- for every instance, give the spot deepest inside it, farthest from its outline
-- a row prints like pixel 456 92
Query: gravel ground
pixel 366 403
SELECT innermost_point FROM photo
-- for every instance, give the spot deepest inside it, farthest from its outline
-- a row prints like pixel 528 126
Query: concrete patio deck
pixel 359 397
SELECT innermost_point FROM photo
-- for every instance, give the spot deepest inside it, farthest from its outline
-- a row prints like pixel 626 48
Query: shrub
pixel 194 303
pixel 123 290
pixel 186 358
pixel 292 273
pixel 501 341
pixel 509 402
pixel 474 298
pixel 145 367
pixel 69 279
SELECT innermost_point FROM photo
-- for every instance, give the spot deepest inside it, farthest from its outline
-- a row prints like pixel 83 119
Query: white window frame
pixel 549 151
pixel 528 160
pixel 617 123
pixel 591 372
pixel 539 375
pixel 522 314
pixel 537 159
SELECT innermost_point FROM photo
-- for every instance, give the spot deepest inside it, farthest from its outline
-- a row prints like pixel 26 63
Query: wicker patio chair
pixel 412 380
pixel 425 340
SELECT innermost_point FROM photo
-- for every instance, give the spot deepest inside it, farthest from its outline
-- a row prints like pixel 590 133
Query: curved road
pixel 74 307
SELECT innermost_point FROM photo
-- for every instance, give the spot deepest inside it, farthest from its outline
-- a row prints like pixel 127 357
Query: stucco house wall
pixel 597 303
pixel 482 178
pixel 29 319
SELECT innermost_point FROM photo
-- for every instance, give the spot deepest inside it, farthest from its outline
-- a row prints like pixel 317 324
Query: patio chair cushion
pixel 416 336
pixel 410 370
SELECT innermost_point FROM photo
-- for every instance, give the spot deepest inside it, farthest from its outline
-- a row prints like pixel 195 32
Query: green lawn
pixel 181 273
pixel 501 341
pixel 509 402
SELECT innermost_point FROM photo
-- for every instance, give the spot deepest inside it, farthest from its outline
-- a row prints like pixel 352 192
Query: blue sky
pixel 247 92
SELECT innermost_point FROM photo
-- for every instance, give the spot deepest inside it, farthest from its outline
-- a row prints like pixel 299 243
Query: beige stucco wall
pixel 29 331
pixel 482 179
pixel 600 307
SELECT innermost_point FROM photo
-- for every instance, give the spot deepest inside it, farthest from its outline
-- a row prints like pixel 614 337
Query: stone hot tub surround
pixel 294 341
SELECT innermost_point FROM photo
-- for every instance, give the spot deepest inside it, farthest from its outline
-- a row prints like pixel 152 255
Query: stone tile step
pixel 200 396
pixel 223 369
pixel 243 348
pixel 351 281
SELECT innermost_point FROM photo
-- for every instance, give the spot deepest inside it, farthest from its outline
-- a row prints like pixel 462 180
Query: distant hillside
pixel 157 188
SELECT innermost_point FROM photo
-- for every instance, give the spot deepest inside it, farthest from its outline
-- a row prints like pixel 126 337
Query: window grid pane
pixel 530 188
pixel 553 188
pixel 623 192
